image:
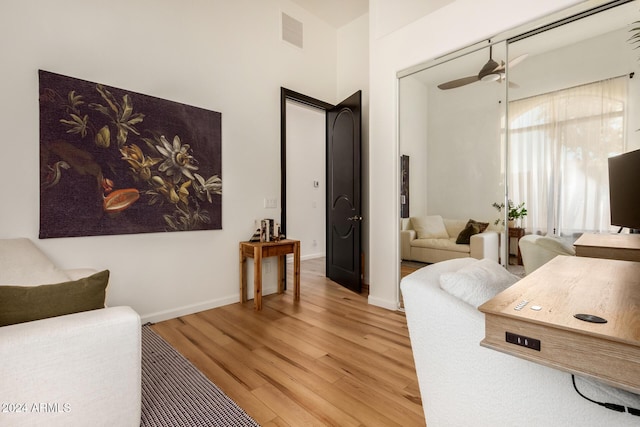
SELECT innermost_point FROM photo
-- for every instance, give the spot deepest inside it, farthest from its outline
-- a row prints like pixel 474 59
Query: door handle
pixel 355 218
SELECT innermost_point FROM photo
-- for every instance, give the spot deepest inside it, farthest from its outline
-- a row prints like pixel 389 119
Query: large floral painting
pixel 117 162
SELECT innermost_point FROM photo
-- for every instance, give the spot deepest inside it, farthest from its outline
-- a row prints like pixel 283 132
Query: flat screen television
pixel 624 190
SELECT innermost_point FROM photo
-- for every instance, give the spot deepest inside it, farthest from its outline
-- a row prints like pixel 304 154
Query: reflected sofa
pixel 431 239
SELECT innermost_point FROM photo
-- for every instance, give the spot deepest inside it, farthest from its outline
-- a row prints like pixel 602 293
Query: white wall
pixel 306 152
pixel 392 15
pixel 465 172
pixel 455 137
pixel 453 26
pixel 220 55
pixel 413 135
pixel 587 61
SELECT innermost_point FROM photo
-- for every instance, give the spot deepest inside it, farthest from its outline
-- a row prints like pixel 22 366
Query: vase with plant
pixel 515 213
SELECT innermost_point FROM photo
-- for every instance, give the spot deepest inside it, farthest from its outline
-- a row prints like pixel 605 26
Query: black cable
pixel 612 406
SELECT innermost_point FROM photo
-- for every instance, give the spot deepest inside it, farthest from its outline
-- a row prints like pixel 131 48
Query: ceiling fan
pixel 491 71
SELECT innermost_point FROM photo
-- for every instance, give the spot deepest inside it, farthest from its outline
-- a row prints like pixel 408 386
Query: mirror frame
pixel 520 32
pixel 545 23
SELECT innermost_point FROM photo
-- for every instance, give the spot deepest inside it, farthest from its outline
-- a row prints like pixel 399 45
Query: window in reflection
pixel 560 143
pixel 575 107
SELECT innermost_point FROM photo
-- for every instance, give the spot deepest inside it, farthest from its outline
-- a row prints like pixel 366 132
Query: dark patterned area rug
pixel 176 394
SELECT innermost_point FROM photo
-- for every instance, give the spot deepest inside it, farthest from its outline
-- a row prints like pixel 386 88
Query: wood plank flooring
pixel 408 267
pixel 330 359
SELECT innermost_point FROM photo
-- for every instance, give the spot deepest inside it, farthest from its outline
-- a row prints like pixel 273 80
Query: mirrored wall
pixel 471 125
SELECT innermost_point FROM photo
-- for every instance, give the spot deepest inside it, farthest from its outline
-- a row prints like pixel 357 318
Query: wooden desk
pixel 259 250
pixel 610 246
pixel 563 287
pixel 517 233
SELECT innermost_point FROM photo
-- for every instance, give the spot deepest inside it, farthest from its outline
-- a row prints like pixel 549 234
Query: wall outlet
pixel 522 341
pixel 270 203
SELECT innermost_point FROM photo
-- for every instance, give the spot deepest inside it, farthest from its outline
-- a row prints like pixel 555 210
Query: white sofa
pixel 464 384
pixel 432 239
pixel 72 370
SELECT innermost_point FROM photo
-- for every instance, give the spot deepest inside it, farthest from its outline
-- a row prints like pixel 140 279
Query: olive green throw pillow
pixel 20 304
pixel 464 238
pixel 472 227
pixel 481 225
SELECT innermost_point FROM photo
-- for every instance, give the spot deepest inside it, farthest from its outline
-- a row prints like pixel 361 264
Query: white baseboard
pixel 160 316
pixel 389 305
pixel 311 256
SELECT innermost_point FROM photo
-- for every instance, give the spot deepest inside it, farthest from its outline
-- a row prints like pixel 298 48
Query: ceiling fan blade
pixel 515 61
pixel 490 71
pixel 512 85
pixel 500 68
pixel 458 82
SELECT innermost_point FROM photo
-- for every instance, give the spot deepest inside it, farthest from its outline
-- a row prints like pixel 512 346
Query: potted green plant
pixel 515 213
pixel 635 34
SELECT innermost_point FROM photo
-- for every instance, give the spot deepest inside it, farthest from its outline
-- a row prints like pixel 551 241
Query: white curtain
pixel 558 148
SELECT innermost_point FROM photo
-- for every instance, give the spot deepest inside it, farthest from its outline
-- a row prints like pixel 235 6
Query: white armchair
pixel 538 250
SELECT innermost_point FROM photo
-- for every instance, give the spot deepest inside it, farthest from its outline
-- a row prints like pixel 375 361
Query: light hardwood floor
pixel 330 359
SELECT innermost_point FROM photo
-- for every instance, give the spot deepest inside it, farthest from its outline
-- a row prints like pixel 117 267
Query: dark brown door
pixel 344 215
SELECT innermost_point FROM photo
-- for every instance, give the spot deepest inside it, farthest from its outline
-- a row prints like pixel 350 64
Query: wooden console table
pixel 610 246
pixel 259 250
pixel 545 330
pixel 517 233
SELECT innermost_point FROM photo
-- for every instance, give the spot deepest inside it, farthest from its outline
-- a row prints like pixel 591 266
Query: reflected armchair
pixel 537 250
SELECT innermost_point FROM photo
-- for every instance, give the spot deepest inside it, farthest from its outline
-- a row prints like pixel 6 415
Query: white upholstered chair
pixel 537 250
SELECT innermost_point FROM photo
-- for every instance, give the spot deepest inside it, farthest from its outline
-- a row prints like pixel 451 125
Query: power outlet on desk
pixel 523 341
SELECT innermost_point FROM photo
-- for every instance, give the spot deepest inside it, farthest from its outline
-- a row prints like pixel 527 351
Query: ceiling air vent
pixel 291 30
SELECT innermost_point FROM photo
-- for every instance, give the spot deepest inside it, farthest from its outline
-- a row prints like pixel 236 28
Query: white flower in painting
pixel 203 188
pixel 177 161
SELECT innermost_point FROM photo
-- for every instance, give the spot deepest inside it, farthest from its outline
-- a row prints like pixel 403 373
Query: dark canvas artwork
pixel 404 186
pixel 118 162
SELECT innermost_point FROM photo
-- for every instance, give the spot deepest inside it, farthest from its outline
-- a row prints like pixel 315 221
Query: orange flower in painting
pixel 120 200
